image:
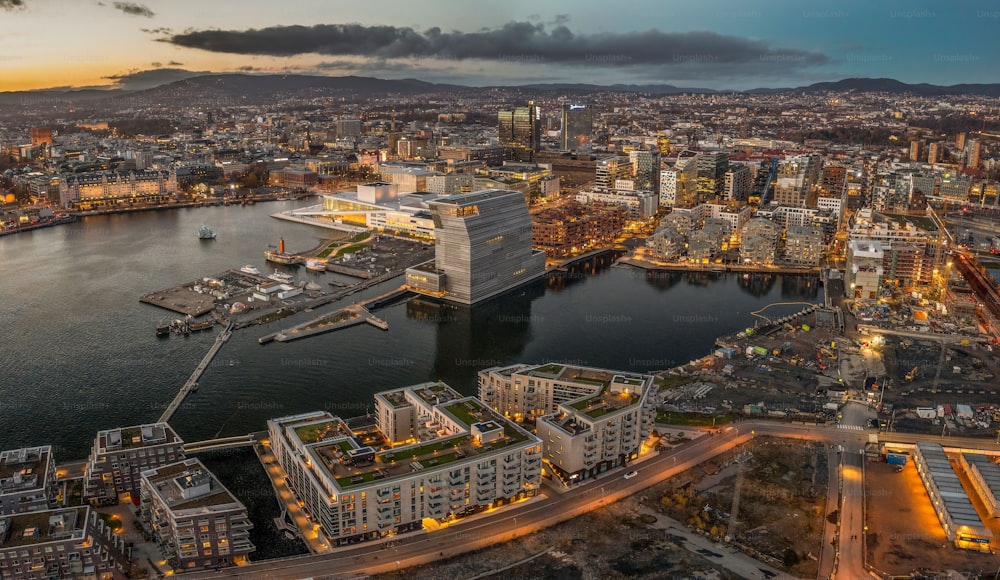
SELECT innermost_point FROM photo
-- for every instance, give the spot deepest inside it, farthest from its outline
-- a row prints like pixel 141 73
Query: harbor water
pixel 80 352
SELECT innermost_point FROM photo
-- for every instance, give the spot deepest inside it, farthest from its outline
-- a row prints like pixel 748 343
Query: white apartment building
pixel 589 420
pixel 197 522
pixel 432 454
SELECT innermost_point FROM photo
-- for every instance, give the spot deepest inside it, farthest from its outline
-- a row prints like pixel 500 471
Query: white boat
pixel 316 265
pixel 281 277
pixel 205 233
pixel 249 269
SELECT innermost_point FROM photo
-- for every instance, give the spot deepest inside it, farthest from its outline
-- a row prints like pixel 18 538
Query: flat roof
pixel 476 196
pixel 358 458
pixel 942 475
pixel 190 485
pixel 43 526
pixel 29 465
pixel 135 437
pixel 989 471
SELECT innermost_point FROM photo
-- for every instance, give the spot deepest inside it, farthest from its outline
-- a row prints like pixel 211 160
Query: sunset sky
pixel 704 43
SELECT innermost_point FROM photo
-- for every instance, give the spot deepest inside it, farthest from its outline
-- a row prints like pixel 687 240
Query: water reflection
pixel 471 338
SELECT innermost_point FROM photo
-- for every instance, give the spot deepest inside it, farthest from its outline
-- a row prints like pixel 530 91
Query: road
pixel 489 528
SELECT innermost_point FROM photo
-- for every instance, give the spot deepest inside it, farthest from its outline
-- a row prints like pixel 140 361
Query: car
pixel 631 474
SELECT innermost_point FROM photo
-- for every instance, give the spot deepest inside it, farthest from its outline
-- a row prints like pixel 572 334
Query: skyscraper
pixel 975 148
pixel 932 153
pixel 482 247
pixel 577 126
pixel 646 170
pixel 520 132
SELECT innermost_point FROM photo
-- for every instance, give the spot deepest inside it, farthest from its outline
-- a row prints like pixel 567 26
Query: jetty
pixel 343 318
pixel 191 384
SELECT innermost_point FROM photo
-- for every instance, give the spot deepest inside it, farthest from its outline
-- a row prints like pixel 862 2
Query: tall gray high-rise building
pixel 646 169
pixel 520 132
pixel 712 167
pixel 577 126
pixel 482 247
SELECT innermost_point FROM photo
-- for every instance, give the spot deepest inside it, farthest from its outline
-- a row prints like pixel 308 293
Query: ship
pixel 163 330
pixel 249 269
pixel 203 325
pixel 281 257
pixel 205 233
pixel 281 277
pixel 316 265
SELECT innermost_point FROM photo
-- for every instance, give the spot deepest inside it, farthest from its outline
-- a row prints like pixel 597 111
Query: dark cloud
pixel 160 30
pixel 133 9
pixel 11 4
pixel 175 63
pixel 515 42
pixel 156 64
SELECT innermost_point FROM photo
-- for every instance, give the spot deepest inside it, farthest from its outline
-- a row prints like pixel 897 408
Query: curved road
pixel 502 525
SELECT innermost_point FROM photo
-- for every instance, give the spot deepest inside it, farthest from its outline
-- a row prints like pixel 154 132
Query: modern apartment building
pixel 639 205
pixel 431 454
pixel 864 269
pixel 737 183
pixel 27 480
pixel 804 245
pixel 119 456
pixel 573 227
pixel 589 420
pixel 61 543
pixel 197 522
pixel 796 178
pixel 482 247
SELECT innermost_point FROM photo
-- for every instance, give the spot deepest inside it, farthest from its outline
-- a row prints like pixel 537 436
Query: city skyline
pixel 774 43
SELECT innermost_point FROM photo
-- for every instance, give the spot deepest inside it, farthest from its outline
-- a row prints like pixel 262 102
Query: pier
pixel 343 318
pixel 192 383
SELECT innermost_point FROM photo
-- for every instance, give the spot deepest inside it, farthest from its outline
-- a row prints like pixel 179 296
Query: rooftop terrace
pixel 44 526
pixel 30 464
pixel 189 485
pixel 350 465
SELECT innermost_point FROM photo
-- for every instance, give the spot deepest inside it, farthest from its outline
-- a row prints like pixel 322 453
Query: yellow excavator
pixel 913 374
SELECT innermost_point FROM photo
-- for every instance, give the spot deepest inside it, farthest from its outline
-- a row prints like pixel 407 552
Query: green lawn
pixel 692 419
pixel 462 413
pixel 412 452
pixel 349 249
pixel 552 369
pixel 311 433
pixel 672 381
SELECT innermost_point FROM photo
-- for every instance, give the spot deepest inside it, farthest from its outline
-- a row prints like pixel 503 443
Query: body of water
pixel 79 352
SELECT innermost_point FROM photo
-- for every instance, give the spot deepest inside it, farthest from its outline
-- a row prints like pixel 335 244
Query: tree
pixel 22 193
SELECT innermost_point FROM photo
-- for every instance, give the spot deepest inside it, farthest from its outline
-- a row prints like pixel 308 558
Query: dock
pixel 192 383
pixel 343 318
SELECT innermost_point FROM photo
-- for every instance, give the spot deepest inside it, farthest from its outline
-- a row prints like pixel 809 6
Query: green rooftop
pixel 317 432
pixel 550 369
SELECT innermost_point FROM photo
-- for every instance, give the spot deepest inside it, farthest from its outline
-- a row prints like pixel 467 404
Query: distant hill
pixel 589 88
pixel 254 89
pixel 892 86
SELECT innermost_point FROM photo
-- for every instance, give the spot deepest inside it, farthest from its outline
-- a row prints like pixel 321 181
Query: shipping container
pixel 896 458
